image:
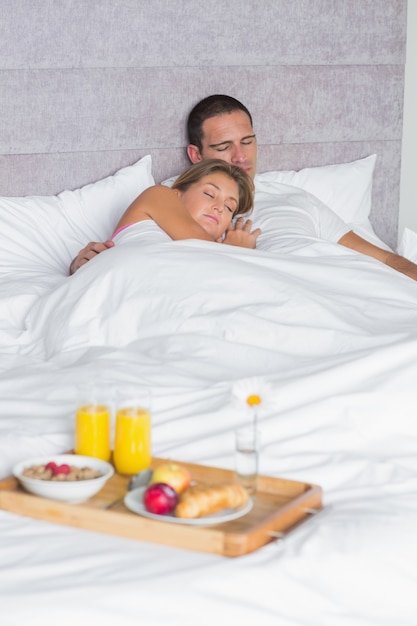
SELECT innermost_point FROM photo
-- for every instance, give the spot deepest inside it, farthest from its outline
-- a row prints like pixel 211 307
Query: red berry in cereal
pixel 62 469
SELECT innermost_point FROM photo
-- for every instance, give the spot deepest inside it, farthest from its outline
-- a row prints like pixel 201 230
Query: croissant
pixel 199 500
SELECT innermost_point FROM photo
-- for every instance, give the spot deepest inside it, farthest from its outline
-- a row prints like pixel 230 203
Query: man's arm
pixel 86 254
pixel 397 262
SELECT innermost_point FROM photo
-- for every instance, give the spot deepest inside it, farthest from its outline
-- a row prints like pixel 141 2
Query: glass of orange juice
pixel 92 431
pixel 132 439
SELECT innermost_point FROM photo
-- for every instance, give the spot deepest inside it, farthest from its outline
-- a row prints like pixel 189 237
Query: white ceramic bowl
pixel 66 491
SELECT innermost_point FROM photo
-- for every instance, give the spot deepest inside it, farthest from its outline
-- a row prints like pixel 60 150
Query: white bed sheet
pixel 340 367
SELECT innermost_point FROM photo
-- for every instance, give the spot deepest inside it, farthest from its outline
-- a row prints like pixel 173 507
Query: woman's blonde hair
pixel 245 184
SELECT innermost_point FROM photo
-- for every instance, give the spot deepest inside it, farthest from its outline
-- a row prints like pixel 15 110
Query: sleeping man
pixel 221 127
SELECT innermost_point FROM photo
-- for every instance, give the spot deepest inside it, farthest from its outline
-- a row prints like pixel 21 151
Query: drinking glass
pixel 92 431
pixel 132 439
pixel 247 457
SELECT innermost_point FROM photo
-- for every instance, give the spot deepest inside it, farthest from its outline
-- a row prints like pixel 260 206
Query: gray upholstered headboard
pixel 87 87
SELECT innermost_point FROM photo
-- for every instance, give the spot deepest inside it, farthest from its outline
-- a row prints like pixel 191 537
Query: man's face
pixel 229 137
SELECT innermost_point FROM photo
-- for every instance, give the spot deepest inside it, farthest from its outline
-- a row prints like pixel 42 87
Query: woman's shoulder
pixel 158 191
pixel 146 231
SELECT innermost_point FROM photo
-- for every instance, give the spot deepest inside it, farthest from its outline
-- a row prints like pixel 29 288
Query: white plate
pixel 134 502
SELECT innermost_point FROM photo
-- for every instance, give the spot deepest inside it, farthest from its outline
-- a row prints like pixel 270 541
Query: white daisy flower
pixel 254 392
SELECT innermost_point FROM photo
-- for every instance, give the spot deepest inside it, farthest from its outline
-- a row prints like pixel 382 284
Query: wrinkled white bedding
pixel 332 334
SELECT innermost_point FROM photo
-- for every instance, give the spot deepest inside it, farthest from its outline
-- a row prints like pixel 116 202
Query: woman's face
pixel 212 201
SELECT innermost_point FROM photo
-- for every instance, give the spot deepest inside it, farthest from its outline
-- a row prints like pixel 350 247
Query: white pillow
pixel 344 187
pixel 44 233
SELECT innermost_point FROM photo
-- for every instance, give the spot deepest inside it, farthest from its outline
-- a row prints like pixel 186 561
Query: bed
pixel 327 337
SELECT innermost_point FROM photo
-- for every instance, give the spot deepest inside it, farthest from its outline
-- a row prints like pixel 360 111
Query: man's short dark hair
pixel 212 106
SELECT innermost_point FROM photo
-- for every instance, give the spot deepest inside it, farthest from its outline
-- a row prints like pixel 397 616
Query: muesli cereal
pixel 64 472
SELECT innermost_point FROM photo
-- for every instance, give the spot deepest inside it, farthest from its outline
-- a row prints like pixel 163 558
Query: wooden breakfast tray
pixel 279 506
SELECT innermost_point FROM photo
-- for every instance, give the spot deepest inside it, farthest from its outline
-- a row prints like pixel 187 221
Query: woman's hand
pixel 86 254
pixel 240 234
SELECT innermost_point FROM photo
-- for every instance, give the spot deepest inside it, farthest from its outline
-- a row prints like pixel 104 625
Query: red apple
pixel 160 498
pixel 177 476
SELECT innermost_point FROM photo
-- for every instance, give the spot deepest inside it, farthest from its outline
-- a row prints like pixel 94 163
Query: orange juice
pixel 132 441
pixel 92 431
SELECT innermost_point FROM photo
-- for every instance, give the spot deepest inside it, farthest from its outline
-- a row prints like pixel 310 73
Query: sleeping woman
pixel 201 204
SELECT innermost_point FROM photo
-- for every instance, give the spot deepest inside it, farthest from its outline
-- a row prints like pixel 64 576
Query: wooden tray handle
pixel 281 535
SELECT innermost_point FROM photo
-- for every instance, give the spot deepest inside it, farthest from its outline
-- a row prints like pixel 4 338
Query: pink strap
pixel 119 230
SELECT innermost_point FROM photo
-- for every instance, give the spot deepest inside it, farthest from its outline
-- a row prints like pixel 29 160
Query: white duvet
pixel 332 337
